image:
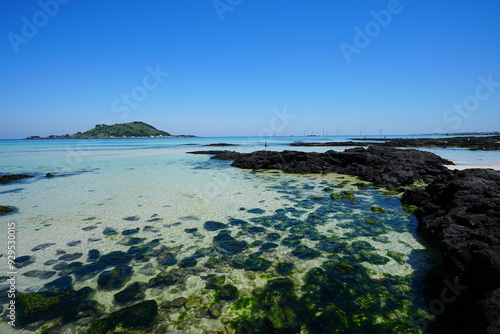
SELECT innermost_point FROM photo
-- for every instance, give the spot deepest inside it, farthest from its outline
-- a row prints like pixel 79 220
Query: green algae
pixel 377 209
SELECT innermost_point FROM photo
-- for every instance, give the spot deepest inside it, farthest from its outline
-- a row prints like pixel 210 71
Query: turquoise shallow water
pixel 282 242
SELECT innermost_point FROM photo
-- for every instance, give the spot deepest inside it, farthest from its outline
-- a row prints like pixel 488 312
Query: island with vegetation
pixel 124 130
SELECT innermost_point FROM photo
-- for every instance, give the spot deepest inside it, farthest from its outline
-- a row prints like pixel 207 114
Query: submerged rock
pixel 167 259
pixel 131 293
pixel 42 274
pixel 114 279
pixel 305 253
pixel 42 246
pixel 214 226
pixel 225 243
pixel 134 317
pixel 24 261
pixel 109 231
pixel 162 280
pixel 188 262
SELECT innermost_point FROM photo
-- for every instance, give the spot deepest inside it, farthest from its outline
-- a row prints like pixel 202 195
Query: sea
pixel 314 253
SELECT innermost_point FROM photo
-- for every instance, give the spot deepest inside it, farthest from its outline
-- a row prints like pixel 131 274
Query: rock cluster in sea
pixel 383 166
pixel 486 143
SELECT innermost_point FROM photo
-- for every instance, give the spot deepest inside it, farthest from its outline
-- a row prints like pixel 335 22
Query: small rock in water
pixel 256 211
pixel 59 286
pixel 49 175
pixel 131 293
pixel 24 261
pixel 60 252
pixel 132 218
pixel 114 279
pixel 42 246
pixel 89 218
pixel 305 253
pixel 188 262
pixel 109 231
pixel 168 259
pixel 193 302
pixel 172 225
pixel 60 266
pixel 42 274
pixel 154 220
pixel 131 231
pixel 50 262
pixel 148 228
pixel 89 228
pixel 74 243
pixel 93 255
pixel 70 257
pixel 93 239
pixel 214 226
pixel 177 303
pixel 190 230
pixel 148 270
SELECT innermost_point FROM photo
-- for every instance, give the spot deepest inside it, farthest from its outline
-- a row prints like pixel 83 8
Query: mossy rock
pixel 377 209
pixel 228 244
pixel 167 259
pixel 273 236
pixel 214 262
pixel 188 262
pixel 134 317
pixel 5 209
pixel 283 318
pixel 305 253
pixel 33 304
pixel 114 279
pixel 345 266
pixel 162 280
pixel 133 292
pixel 214 226
pixel 285 268
pixel 228 292
pixel 371 221
pixel 292 240
pixel 268 246
pixel 251 264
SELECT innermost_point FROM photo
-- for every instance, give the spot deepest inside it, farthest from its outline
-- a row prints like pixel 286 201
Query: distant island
pixel 124 130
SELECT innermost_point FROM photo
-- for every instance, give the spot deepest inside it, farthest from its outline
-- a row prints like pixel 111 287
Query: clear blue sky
pixel 232 63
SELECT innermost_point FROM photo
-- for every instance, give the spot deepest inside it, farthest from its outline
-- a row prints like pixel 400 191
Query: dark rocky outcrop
pixel 485 143
pixel 460 212
pixel 4 179
pixel 383 166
